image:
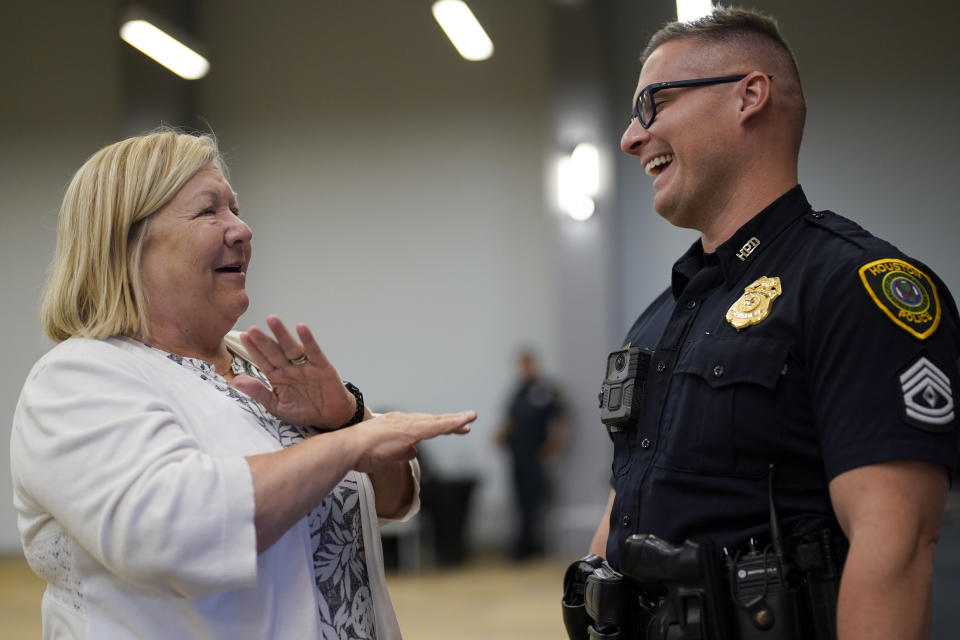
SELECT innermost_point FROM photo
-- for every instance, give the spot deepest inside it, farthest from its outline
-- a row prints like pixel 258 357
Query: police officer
pixel 534 430
pixel 787 336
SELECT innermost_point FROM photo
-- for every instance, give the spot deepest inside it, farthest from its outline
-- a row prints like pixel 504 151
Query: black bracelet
pixel 358 414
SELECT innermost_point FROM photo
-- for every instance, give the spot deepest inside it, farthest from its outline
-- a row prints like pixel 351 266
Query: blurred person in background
pixel 176 480
pixel 534 431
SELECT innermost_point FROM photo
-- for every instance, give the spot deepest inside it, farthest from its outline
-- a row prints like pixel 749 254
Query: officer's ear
pixel 754 94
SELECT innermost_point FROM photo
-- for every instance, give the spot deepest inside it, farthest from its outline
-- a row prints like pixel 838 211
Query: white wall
pixel 397 199
pixel 882 129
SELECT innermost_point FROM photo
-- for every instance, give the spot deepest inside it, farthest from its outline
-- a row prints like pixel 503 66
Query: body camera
pixel 623 382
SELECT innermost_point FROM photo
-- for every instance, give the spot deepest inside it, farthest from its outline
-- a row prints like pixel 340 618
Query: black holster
pixel 819 553
pixel 664 593
pixel 611 603
pixel 575 617
pixel 685 582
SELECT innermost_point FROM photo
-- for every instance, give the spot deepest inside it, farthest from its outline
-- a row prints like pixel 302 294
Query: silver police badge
pixel 754 305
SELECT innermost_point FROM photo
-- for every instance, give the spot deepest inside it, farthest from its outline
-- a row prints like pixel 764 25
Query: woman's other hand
pixel 394 436
pixel 306 388
pixel 388 437
pixel 289 482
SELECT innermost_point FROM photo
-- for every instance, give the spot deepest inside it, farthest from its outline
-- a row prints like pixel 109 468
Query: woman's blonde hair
pixel 94 287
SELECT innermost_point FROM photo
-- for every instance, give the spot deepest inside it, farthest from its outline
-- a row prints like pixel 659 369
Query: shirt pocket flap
pixel 736 360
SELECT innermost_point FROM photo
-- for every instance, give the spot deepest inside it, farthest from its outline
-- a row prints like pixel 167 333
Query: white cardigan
pixel 135 503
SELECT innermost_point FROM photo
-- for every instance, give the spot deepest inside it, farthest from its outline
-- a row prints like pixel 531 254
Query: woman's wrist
pixel 360 413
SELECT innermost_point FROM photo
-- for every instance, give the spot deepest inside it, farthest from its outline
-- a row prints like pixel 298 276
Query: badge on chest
pixel 755 303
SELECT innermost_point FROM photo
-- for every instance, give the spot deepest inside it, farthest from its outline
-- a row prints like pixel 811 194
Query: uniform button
pixel 817 214
pixel 661 366
pixel 692 304
pixel 626 521
pixel 718 370
pixel 645 443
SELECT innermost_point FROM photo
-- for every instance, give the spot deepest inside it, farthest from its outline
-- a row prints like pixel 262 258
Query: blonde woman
pixel 174 481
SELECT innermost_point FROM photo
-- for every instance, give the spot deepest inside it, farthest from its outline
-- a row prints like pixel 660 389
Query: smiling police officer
pixel 788 337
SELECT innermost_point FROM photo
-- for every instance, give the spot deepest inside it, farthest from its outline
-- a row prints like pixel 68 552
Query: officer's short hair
pixel 751 32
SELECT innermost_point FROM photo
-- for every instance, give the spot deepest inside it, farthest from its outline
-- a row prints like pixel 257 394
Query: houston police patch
pixel 927 396
pixel 906 294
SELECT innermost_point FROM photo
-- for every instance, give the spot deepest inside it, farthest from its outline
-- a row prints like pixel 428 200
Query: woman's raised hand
pixel 394 436
pixel 306 388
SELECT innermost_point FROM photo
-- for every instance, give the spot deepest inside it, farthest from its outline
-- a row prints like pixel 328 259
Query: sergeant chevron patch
pixel 927 396
pixel 906 294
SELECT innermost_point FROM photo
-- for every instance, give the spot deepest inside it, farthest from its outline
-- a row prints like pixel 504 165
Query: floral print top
pixel 339 568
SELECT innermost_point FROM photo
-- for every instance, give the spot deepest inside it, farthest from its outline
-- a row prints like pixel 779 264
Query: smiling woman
pixel 173 481
pixel 95 289
pixel 194 263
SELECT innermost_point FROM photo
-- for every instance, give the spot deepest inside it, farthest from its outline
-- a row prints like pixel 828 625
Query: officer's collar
pixel 689 265
pixel 736 254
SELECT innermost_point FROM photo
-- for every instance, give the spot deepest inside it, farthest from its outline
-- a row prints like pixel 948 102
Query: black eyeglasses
pixel 645 109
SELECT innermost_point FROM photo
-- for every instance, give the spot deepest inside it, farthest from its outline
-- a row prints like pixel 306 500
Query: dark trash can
pixel 446 502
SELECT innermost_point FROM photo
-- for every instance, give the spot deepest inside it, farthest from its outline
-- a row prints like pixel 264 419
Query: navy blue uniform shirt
pixel 846 356
pixel 533 406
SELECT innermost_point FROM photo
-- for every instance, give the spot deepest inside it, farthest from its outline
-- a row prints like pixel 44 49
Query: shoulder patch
pixel 903 292
pixel 927 396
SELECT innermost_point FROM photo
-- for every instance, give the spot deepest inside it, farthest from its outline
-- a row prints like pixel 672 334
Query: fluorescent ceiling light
pixel 460 25
pixel 171 53
pixel 690 10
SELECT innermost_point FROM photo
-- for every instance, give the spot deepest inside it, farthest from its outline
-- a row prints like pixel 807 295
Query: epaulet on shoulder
pixel 840 227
